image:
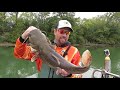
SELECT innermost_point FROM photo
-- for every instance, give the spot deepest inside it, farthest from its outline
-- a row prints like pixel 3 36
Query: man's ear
pixel 55 30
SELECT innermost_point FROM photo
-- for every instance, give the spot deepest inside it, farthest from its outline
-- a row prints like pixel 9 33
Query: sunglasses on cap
pixel 62 31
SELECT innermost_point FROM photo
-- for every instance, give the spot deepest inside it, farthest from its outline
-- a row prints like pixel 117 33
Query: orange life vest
pixel 72 56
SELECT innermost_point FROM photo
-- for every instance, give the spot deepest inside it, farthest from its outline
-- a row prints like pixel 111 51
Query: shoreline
pixel 7 44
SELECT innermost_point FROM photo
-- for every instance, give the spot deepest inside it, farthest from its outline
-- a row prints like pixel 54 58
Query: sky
pixel 88 15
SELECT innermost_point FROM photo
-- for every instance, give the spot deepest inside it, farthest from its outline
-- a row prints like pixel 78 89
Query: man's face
pixel 62 35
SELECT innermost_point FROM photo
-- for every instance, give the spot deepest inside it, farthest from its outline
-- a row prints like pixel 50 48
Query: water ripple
pixel 118 66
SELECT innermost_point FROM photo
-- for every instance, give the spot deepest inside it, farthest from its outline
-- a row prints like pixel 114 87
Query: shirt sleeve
pixel 21 50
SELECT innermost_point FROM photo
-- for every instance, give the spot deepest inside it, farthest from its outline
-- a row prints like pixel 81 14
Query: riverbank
pixel 96 45
pixel 7 44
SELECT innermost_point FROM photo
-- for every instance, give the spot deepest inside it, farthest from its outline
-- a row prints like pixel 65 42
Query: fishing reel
pixel 107 52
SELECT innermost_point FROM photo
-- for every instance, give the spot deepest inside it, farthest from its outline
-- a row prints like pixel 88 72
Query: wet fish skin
pixel 39 41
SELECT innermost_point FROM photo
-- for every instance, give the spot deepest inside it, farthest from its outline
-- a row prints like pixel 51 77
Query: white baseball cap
pixel 64 23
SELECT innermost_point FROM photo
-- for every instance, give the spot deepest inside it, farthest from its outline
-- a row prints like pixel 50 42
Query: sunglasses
pixel 62 31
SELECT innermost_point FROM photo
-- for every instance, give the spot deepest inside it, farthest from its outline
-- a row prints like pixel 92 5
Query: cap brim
pixel 71 29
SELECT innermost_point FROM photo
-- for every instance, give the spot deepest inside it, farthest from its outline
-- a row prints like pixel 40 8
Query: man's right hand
pixel 26 33
pixel 61 72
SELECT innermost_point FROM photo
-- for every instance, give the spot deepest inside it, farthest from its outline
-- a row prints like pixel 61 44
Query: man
pixel 61 43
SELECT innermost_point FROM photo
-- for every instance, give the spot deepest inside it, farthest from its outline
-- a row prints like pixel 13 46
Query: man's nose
pixel 64 34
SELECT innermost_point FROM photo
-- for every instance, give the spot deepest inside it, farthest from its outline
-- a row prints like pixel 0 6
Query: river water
pixel 11 67
pixel 99 57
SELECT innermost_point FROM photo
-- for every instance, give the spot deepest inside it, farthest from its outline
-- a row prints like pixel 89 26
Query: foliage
pixel 103 29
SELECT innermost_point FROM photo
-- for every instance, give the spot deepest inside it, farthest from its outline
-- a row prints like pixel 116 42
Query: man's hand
pixel 26 33
pixel 62 72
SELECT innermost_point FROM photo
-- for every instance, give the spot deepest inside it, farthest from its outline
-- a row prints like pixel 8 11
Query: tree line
pixel 104 29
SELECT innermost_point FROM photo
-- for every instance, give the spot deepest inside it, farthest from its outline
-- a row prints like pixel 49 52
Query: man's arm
pixel 21 49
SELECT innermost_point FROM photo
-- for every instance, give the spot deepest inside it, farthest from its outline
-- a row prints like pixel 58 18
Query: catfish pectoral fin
pixel 55 58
